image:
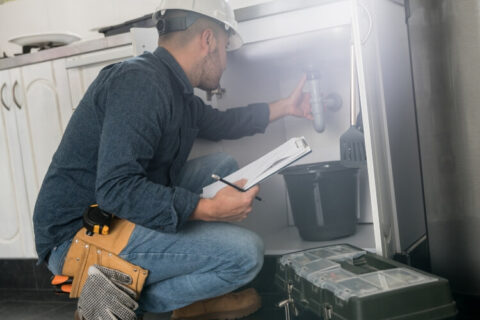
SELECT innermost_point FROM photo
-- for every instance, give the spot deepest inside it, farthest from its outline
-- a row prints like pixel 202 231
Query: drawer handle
pixel 1 97
pixel 14 97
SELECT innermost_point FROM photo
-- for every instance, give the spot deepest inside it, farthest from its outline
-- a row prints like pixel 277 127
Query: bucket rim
pixel 316 167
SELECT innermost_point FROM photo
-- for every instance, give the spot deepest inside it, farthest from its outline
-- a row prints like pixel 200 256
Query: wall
pixel 23 17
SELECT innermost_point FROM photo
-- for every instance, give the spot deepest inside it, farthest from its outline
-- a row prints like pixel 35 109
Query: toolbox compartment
pixel 344 282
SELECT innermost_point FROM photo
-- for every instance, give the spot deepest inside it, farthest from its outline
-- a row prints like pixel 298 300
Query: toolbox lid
pixel 322 268
pixel 346 282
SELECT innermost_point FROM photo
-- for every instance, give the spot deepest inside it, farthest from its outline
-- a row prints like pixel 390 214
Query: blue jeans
pixel 202 260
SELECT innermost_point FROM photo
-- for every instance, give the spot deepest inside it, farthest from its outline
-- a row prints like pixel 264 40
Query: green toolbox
pixel 344 282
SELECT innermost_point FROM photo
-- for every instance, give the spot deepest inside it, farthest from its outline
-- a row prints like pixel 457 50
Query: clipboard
pixel 264 167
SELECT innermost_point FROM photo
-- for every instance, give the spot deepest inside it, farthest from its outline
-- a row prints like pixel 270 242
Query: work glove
pixel 105 296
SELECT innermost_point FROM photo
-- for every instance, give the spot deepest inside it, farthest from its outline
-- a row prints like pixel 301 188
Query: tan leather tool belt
pixel 102 250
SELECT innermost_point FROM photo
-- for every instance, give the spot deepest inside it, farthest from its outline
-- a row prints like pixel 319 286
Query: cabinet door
pixel 38 111
pixel 16 229
pixel 63 91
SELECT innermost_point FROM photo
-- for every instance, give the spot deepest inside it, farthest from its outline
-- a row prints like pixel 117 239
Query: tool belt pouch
pixel 102 250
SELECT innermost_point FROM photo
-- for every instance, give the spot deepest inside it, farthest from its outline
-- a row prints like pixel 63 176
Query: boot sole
pixel 229 315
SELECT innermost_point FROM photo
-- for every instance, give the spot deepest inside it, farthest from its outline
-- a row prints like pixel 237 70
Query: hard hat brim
pixel 235 41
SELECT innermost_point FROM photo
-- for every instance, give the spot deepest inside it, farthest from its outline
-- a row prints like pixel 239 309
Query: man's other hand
pixel 228 204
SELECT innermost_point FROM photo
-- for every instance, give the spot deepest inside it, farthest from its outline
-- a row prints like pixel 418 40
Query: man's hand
pixel 227 205
pixel 297 104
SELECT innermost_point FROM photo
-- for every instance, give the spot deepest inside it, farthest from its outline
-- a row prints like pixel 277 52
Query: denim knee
pixel 226 164
pixel 248 257
pixel 256 254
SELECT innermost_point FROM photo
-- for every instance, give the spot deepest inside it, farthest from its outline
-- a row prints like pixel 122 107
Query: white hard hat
pixel 219 10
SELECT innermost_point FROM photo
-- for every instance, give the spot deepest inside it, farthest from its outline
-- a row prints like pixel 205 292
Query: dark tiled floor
pixel 32 310
pixel 46 306
pixel 25 294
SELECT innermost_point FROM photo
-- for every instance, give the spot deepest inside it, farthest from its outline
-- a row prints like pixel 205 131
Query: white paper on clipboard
pixel 263 167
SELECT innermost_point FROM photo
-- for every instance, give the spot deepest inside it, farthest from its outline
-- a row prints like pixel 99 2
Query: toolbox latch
pixel 289 302
pixel 327 311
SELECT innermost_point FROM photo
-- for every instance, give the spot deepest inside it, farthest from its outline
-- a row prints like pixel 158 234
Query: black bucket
pixel 323 198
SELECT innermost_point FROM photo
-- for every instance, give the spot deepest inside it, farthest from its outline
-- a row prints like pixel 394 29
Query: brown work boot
pixel 234 305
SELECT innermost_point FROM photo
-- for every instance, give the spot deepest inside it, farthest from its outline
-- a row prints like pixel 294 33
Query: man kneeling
pixel 125 149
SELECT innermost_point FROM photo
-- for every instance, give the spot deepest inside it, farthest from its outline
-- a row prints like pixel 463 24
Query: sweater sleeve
pixel 135 114
pixel 233 123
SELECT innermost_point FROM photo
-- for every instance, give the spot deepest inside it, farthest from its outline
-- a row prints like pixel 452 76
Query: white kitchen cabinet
pixel 16 229
pixel 42 107
pixel 36 108
pixel 37 103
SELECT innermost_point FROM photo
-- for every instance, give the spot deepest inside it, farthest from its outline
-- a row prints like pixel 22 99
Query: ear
pixel 208 40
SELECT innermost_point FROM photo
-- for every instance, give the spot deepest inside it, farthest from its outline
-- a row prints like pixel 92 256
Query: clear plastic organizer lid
pixel 321 268
pixel 334 275
pixel 315 266
pixel 337 253
pixel 408 276
pixel 383 281
pixel 343 249
pixel 297 259
pixel 348 257
pixel 355 287
pixel 378 282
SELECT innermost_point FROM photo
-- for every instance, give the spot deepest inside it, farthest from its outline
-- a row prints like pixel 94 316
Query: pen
pixel 216 177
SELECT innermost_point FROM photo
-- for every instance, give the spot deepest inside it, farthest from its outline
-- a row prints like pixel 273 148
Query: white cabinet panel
pixel 24 137
pixel 35 109
pixel 39 102
pixel 42 115
pixel 63 90
pixel 39 122
pixel 9 229
pixel 16 229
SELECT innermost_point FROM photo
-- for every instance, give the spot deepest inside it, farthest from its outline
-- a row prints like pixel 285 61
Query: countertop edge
pixel 242 14
pixel 67 51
